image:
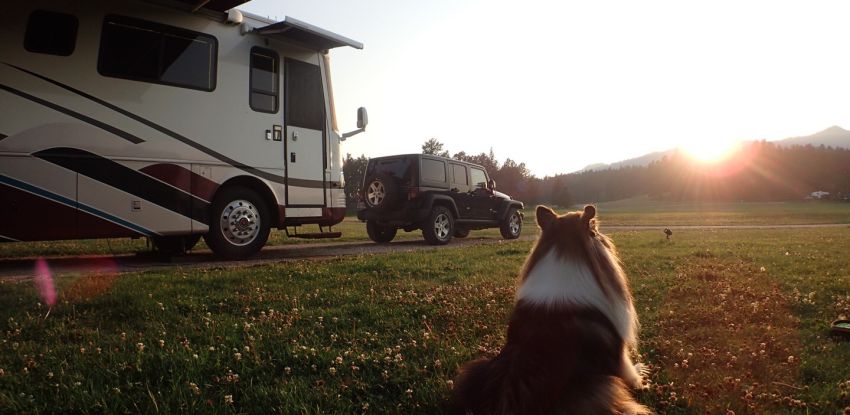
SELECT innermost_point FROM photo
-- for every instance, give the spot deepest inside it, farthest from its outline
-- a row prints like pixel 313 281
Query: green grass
pixel 644 211
pixel 638 211
pixel 385 333
pixel 352 231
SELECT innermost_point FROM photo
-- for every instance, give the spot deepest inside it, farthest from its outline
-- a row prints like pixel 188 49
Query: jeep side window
pixel 433 170
pixel 479 178
pixel 460 174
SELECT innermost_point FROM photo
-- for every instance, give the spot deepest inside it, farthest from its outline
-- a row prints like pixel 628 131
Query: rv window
pixel 150 52
pixel 264 80
pixel 51 33
pixel 305 106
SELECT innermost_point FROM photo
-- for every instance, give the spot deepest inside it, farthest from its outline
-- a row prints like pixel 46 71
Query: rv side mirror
pixel 362 120
pixel 362 117
pixel 491 184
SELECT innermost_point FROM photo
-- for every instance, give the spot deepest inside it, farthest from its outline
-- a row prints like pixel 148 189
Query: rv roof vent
pixel 234 16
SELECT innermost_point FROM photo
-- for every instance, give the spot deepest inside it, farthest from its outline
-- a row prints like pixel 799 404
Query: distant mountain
pixel 834 136
pixel 643 160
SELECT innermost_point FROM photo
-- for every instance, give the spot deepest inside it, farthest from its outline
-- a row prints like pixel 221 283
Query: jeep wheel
pixel 381 191
pixel 239 224
pixel 439 227
pixel 380 234
pixel 512 226
pixel 461 233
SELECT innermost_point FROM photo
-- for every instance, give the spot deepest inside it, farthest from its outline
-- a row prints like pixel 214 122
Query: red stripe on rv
pixel 183 179
pixel 33 218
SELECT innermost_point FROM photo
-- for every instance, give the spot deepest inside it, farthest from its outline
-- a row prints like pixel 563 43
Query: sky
pixel 560 85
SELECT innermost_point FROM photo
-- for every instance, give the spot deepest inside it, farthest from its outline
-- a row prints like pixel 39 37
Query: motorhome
pixel 167 119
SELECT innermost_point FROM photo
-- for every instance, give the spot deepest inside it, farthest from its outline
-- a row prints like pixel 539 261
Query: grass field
pixel 638 211
pixel 731 320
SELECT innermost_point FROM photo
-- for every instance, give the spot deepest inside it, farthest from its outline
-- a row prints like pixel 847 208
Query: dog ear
pixel 587 217
pixel 545 217
pixel 589 213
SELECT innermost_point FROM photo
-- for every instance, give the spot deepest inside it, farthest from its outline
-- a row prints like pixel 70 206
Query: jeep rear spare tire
pixel 439 227
pixel 381 191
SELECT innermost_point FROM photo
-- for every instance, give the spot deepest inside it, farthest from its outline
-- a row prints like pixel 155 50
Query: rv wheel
pixel 174 245
pixel 239 225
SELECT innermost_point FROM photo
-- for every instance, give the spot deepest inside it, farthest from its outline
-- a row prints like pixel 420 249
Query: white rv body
pixel 98 139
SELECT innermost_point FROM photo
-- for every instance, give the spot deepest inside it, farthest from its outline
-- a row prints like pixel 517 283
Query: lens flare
pixel 44 282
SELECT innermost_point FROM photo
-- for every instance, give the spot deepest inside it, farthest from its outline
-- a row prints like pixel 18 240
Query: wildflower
pixel 365 407
pixel 123 336
pixel 194 388
pixel 247 349
pixel 98 350
pixel 790 359
pixel 237 356
pixel 50 375
pixel 450 383
pixel 409 393
pixel 287 370
pixel 212 348
pixel 228 399
pixel 332 370
pixel 140 347
pixel 82 350
pixel 161 343
pixel 338 360
pixel 194 356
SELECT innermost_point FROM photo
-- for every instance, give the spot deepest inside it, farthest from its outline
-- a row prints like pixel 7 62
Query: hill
pixel 834 136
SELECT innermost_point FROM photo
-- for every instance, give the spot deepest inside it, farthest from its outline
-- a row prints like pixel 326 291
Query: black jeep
pixel 441 196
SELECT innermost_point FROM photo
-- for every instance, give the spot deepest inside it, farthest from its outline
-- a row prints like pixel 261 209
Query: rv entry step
pixel 321 234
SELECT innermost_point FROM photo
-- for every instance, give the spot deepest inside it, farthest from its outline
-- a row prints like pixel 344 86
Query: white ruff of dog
pixel 557 281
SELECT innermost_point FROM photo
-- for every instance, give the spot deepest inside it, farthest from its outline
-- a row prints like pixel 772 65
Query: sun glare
pixel 710 151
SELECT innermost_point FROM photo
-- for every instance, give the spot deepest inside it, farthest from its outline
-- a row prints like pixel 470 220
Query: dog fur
pixel 568 340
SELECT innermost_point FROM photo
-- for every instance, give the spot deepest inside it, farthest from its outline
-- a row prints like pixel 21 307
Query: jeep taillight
pixel 412 193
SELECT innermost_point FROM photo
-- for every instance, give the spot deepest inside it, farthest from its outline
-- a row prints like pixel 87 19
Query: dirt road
pixel 24 268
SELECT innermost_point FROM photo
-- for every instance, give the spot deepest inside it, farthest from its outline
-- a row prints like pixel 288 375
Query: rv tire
pixel 174 244
pixel 239 223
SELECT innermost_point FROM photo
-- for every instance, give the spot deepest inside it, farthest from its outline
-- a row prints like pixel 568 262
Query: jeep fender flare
pixel 447 201
pixel 506 206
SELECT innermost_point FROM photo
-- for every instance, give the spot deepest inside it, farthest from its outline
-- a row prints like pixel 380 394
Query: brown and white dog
pixel 569 336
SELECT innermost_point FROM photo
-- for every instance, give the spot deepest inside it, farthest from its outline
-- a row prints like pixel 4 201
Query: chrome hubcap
pixel 441 226
pixel 514 224
pixel 376 193
pixel 240 222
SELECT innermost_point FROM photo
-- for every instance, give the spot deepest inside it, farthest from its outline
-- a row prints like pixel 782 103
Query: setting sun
pixel 711 151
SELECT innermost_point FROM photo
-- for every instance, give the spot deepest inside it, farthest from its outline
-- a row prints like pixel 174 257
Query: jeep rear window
pixel 393 167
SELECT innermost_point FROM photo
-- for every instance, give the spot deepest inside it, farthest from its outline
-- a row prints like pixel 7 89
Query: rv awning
pixel 306 34
pixel 216 5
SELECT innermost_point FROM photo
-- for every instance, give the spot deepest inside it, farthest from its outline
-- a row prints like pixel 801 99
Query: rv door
pixel 304 145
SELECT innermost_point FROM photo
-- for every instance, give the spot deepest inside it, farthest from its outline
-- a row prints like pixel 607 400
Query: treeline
pixel 759 171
